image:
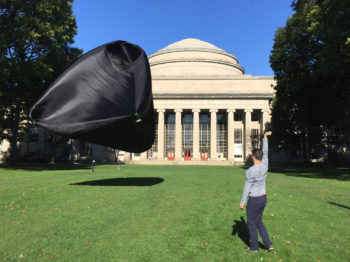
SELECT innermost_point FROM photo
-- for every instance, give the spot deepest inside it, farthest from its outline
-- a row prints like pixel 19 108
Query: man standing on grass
pixel 93 164
pixel 255 187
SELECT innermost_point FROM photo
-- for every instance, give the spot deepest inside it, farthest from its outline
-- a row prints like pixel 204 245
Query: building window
pixel 204 133
pixel 238 143
pixel 255 138
pixel 221 135
pixel 238 136
pixel 238 116
pixel 137 154
pixel 256 116
pixel 84 149
pixel 187 132
pixel 170 132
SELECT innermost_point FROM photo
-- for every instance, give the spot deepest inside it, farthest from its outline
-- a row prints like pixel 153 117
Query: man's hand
pixel 241 206
pixel 268 133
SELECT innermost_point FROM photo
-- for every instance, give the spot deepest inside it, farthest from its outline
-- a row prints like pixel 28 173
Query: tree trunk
pixel 14 140
pixel 13 147
pixel 304 148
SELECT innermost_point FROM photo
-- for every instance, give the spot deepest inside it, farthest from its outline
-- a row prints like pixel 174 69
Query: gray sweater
pixel 256 176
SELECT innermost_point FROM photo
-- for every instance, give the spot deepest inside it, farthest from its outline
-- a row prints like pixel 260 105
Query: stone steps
pixel 181 162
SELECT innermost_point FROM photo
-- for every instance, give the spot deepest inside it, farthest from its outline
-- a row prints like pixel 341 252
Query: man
pixel 93 164
pixel 255 187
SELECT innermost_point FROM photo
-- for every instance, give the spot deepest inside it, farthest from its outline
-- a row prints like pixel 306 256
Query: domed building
pixel 194 57
pixel 207 108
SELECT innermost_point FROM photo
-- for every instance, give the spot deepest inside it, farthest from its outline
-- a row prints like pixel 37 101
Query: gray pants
pixel 255 210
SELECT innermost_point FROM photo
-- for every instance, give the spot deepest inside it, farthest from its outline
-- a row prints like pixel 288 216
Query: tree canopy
pixel 35 47
pixel 311 62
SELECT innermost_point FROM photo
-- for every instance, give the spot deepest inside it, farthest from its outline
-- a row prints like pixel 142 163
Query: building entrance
pixel 171 154
pixel 187 155
pixel 204 155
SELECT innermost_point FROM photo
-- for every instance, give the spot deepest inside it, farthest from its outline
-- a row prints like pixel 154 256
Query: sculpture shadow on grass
pixel 122 181
pixel 240 228
pixel 339 205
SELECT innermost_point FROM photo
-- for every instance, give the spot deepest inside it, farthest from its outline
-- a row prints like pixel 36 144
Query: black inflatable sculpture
pixel 104 98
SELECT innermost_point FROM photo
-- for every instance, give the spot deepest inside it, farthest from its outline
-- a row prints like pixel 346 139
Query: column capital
pixel 196 110
pixel 249 110
pixel 177 110
pixel 160 110
pixel 213 110
pixel 265 110
pixel 231 110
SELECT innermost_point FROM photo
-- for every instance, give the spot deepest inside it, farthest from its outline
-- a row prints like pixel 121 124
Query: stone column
pixel 230 135
pixel 161 125
pixel 196 154
pixel 264 120
pixel 143 156
pixel 178 135
pixel 213 152
pixel 247 131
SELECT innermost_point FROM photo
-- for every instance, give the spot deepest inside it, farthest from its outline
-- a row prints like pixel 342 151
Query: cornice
pixel 211 77
pixel 213 96
pixel 192 60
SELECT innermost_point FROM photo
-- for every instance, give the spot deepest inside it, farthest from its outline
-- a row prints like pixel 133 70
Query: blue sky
pixel 244 28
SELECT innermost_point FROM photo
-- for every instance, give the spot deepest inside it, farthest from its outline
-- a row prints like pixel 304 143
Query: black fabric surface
pixel 105 98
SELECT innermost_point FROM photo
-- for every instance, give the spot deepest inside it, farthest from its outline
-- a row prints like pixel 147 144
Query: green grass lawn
pixel 168 213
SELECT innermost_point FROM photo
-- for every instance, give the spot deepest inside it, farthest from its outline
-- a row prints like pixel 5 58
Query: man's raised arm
pixel 265 148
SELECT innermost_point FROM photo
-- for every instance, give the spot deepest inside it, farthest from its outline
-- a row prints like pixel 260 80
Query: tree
pixel 311 62
pixel 35 47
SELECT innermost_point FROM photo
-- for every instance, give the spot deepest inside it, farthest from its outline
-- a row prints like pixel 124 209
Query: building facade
pixel 207 109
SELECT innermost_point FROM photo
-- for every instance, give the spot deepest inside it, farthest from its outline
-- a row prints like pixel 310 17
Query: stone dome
pixel 193 57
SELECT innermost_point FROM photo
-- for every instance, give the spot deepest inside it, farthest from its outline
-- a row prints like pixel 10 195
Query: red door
pixel 187 155
pixel 204 155
pixel 171 154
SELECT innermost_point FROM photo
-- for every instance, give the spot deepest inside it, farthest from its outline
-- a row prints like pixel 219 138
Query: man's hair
pixel 258 154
